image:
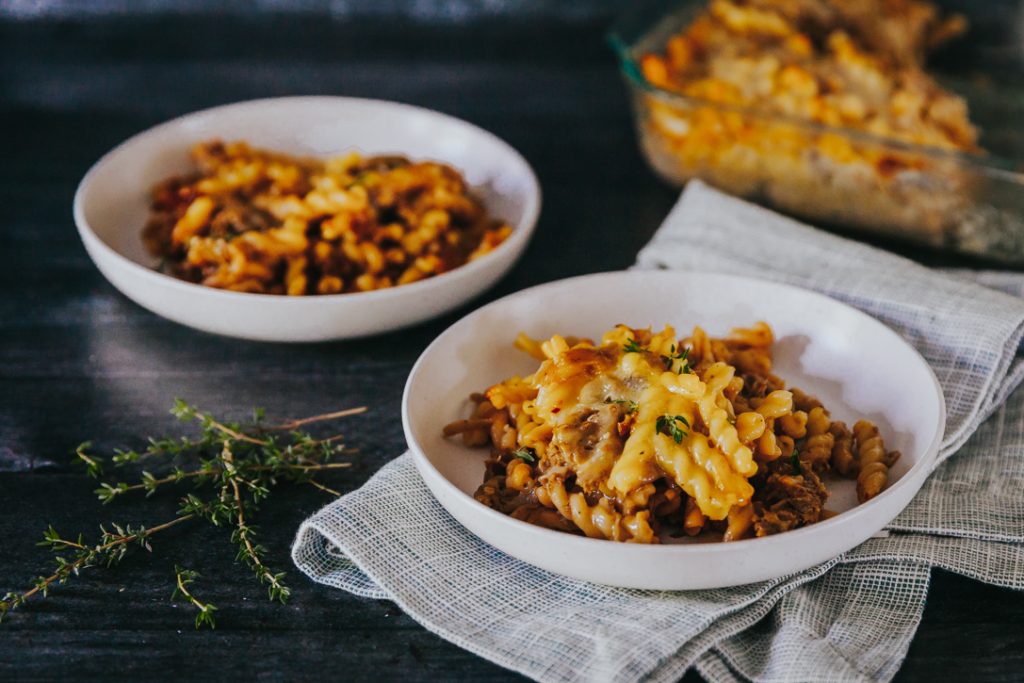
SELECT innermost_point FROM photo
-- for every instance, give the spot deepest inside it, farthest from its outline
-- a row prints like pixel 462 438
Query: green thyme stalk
pixel 232 469
pixel 183 579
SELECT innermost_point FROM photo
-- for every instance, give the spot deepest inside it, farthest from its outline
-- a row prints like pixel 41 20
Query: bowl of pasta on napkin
pixel 672 430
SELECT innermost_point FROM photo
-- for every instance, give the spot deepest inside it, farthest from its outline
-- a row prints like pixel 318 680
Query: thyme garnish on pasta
pixel 669 424
pixel 632 346
pixel 630 406
pixel 232 468
pixel 526 454
pixel 794 460
pixel 713 443
pixel 682 355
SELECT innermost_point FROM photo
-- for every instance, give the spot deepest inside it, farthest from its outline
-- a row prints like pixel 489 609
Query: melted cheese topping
pixel 584 399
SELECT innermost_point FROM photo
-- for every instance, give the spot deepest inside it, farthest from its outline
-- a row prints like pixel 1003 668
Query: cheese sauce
pixel 623 416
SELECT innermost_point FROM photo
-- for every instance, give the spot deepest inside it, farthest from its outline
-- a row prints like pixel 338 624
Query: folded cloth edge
pixel 312 533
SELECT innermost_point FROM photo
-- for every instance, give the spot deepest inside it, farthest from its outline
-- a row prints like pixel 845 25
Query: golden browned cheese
pixel 574 390
pixel 640 433
pixel 255 221
pixel 821 108
pixel 839 63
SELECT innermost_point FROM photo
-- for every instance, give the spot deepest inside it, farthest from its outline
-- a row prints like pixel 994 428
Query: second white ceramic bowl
pixel 856 365
pixel 112 203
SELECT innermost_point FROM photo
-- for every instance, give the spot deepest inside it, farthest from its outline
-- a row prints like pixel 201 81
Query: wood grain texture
pixel 78 361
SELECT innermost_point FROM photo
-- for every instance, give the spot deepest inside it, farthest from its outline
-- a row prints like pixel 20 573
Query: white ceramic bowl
pixel 853 363
pixel 112 202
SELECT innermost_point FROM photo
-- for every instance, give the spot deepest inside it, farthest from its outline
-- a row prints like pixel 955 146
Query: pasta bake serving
pixel 822 108
pixel 251 220
pixel 645 435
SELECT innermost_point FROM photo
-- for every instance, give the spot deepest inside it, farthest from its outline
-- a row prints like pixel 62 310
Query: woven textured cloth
pixel 850 619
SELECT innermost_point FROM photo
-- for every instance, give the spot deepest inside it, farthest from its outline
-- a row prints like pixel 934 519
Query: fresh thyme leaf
pixel 630 406
pixel 680 355
pixel 231 467
pixel 527 454
pixel 93 464
pixel 670 425
pixel 632 347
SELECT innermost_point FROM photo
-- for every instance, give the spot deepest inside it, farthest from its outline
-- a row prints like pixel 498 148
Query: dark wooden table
pixel 79 361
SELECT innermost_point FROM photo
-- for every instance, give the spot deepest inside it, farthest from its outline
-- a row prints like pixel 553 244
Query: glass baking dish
pixel 840 177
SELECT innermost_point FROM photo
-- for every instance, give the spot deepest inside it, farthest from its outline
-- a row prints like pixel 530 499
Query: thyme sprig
pixel 682 355
pixel 632 346
pixel 232 469
pixel 627 405
pixel 183 579
pixel 670 426
pixel 526 454
pixel 72 556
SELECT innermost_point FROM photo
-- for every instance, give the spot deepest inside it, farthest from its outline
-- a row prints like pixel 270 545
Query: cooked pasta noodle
pixel 817 451
pixel 640 434
pixel 872 460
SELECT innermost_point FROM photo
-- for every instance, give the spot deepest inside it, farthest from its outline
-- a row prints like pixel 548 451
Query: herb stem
pixel 73 567
pixel 168 479
pixel 188 596
pixel 212 472
pixel 93 466
pixel 314 468
pixel 295 424
pixel 244 532
pixel 182 578
pixel 325 489
pixel 232 433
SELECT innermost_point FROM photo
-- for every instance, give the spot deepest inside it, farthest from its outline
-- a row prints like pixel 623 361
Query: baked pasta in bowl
pixel 787 441
pixel 645 435
pixel 307 218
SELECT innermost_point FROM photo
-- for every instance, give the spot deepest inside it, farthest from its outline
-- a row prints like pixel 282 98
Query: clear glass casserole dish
pixel 841 177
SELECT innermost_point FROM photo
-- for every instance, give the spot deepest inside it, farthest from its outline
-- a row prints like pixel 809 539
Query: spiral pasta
pixel 250 220
pixel 817 450
pixel 872 460
pixel 643 435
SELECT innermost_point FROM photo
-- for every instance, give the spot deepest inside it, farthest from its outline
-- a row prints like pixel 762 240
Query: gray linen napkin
pixel 849 619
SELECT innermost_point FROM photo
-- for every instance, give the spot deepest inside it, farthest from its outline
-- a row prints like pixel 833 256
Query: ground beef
pixel 789 497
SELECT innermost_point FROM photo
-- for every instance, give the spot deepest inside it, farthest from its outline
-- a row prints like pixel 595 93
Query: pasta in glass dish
pixel 643 437
pixel 830 110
